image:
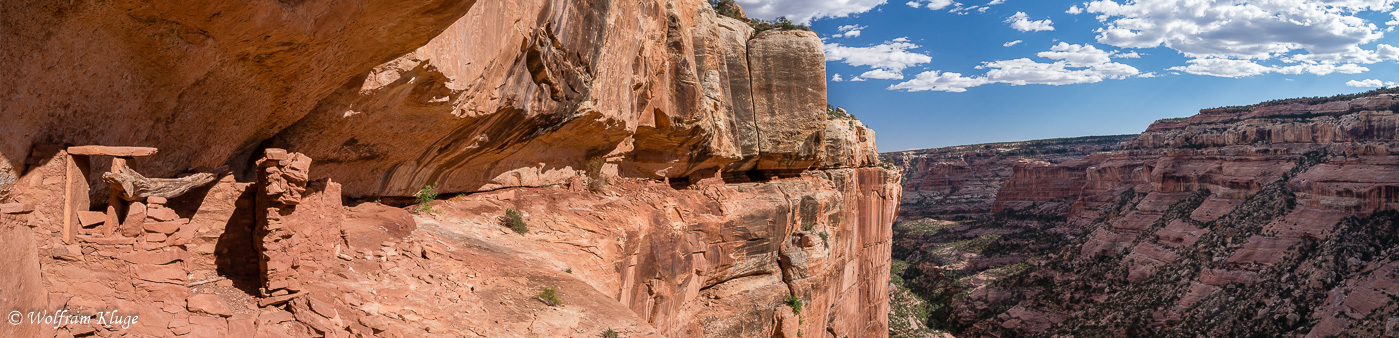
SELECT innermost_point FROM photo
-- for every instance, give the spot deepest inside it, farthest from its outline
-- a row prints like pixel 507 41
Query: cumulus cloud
pixel 1070 64
pixel 1021 22
pixel 1322 69
pixel 837 78
pixel 1233 68
pixel 1371 83
pixel 848 31
pixel 939 81
pixel 882 74
pixel 1387 52
pixel 932 4
pixel 803 11
pixel 1222 67
pixel 1074 10
pixel 995 2
pixel 1012 43
pixel 892 57
pixel 1076 55
pixel 1237 29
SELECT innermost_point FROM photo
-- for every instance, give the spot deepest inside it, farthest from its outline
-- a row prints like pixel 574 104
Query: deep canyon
pixel 1274 219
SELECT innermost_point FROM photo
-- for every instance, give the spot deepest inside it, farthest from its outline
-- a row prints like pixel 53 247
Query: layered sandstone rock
pixel 541 106
pixel 1232 222
pixel 963 180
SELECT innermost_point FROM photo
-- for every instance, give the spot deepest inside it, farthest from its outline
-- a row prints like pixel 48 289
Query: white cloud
pixel 1012 43
pixel 891 55
pixel 1074 10
pixel 995 2
pixel 1322 69
pixel 1072 64
pixel 1021 22
pixel 803 11
pixel 938 81
pixel 882 74
pixel 1223 67
pixel 1077 55
pixel 1237 29
pixel 1147 75
pixel 1127 55
pixel 1387 52
pixel 1371 83
pixel 837 78
pixel 1023 71
pixel 849 31
pixel 929 4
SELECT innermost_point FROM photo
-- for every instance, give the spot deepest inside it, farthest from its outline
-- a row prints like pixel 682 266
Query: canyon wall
pixel 678 171
pixel 963 180
pixel 1273 219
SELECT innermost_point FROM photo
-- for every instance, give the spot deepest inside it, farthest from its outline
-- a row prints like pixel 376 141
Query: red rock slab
pixel 1373 292
pixel 1030 320
pixel 1145 259
pixel 1263 250
pixel 1198 291
pixel 1161 201
pixel 1213 207
pixel 16 208
pixel 208 303
pixel 1154 252
pixel 1136 220
pixel 112 151
pixel 1179 233
pixel 1305 222
pixel 91 218
pixel 1103 241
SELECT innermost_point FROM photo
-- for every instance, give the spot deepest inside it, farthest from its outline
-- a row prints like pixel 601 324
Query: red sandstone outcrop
pixel 575 113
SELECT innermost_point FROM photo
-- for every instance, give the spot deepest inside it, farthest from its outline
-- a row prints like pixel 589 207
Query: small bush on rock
pixel 796 304
pixel 425 197
pixel 550 296
pixel 515 221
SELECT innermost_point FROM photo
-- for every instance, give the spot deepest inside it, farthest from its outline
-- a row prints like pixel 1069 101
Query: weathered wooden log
pixel 132 186
pixel 111 151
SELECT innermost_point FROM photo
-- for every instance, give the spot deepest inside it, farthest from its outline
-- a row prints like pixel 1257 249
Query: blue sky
pixel 933 73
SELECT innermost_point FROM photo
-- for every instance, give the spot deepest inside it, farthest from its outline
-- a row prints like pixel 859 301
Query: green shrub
pixel 425 197
pixel 550 296
pixel 760 25
pixel 727 8
pixel 568 270
pixel 515 221
pixel 610 334
pixel 796 303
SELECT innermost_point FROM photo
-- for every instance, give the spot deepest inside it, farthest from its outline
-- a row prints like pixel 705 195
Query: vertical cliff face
pixel 677 172
pixel 964 180
pixel 1270 219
